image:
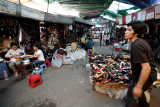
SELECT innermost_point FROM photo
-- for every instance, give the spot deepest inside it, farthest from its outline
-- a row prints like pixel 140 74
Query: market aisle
pixel 68 86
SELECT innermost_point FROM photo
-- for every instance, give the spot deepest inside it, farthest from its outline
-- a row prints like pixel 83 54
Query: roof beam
pixel 145 2
pixel 68 1
pixel 80 3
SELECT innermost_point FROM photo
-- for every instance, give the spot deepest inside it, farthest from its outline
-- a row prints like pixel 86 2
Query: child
pixel 17 59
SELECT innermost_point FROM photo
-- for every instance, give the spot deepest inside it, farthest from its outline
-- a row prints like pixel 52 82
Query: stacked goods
pixel 110 68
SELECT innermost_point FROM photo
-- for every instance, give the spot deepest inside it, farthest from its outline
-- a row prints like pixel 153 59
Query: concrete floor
pixel 68 86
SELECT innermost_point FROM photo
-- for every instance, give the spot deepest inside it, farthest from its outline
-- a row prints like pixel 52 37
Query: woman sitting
pixel 89 44
pixel 37 54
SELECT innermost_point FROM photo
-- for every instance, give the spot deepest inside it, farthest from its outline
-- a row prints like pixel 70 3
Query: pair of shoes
pixel 16 74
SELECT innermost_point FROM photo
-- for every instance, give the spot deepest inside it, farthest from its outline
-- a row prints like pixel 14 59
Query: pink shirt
pixel 104 37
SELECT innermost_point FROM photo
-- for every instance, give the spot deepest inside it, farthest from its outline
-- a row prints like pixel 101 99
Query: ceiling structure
pixel 94 8
pixel 87 9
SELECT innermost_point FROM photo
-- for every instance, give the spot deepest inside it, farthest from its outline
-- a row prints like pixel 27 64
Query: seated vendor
pixel 89 44
pixel 37 54
pixel 14 52
pixel 17 59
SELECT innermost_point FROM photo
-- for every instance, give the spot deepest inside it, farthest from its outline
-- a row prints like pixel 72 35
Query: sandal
pixel 16 74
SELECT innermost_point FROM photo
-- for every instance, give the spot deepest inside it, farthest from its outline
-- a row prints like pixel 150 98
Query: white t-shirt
pixel 41 56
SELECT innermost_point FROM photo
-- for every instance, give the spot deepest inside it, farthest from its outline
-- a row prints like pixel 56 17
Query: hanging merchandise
pixel 20 35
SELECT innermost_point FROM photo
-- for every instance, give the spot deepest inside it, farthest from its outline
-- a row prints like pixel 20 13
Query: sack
pixel 56 62
pixel 67 60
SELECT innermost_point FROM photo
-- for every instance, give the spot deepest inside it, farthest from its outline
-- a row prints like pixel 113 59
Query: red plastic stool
pixel 47 63
pixel 117 49
pixel 35 80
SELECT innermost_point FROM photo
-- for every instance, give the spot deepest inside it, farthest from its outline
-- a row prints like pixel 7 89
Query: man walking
pixel 142 62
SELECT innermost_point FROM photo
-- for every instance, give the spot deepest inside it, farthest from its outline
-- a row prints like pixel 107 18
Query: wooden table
pixel 26 68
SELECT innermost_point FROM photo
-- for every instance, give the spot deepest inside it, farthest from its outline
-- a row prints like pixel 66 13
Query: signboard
pixel 120 20
pixel 141 15
pixel 124 20
pixel 32 13
pixel 150 13
pixel 134 16
pixel 7 7
pixel 128 18
pixel 157 12
pixel 58 19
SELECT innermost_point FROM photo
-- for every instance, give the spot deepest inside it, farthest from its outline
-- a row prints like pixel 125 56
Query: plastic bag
pixel 56 62
pixel 67 60
pixel 93 49
pixel 68 49
pixel 82 52
pixel 88 67
pixel 112 91
pixel 101 89
pixel 121 93
pixel 116 45
pixel 148 95
pixel 72 55
pixel 77 54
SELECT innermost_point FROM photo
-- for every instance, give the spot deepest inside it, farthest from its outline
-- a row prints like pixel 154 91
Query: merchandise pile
pixel 110 68
pixel 66 56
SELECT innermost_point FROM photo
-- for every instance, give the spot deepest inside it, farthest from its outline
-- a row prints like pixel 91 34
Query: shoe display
pixel 106 69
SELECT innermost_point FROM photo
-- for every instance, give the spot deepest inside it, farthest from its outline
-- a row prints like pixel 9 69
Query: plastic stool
pixel 35 80
pixel 89 50
pixel 47 63
pixel 43 66
pixel 39 71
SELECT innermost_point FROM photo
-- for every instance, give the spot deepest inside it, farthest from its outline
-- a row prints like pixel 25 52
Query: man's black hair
pixel 13 44
pixel 139 27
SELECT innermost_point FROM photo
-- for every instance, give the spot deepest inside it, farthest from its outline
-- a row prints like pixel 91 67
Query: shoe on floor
pixel 16 74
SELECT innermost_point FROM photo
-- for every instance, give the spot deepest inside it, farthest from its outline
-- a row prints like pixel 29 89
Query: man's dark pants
pixel 131 100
